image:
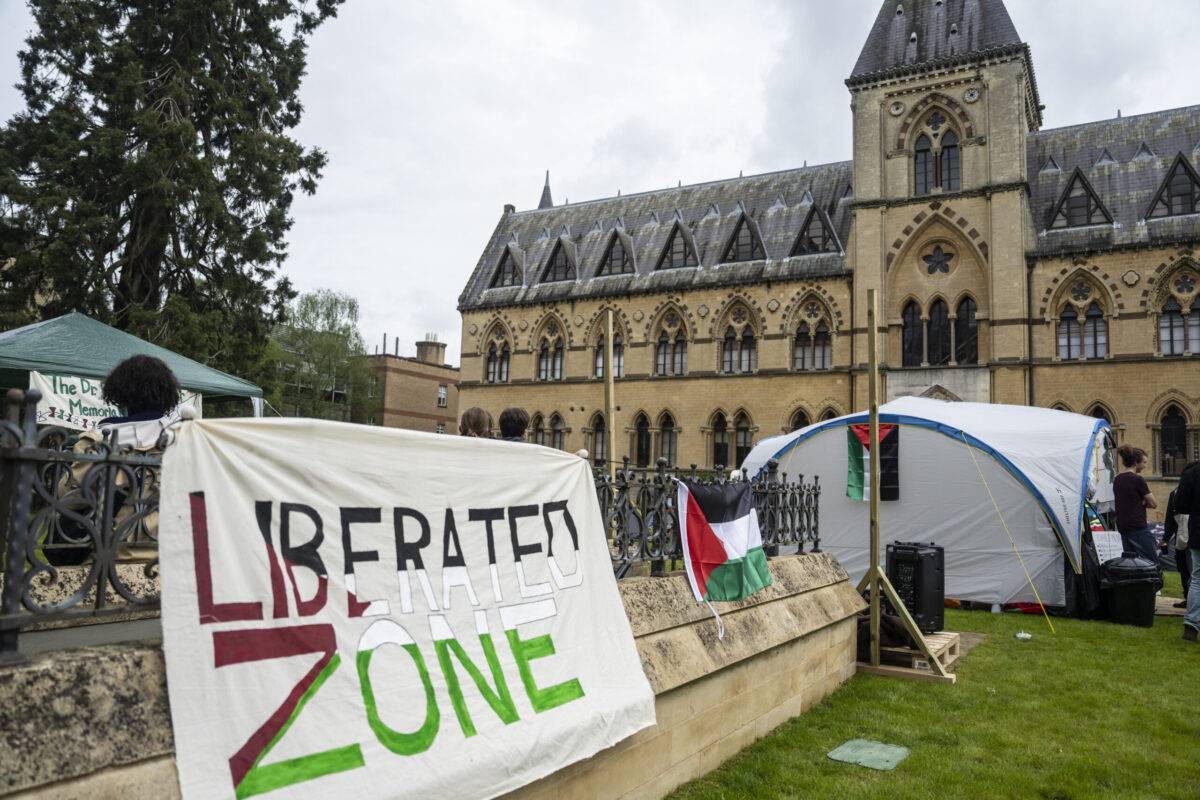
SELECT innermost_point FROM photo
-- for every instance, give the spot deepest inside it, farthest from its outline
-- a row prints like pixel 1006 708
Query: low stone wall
pixel 94 723
pixel 784 650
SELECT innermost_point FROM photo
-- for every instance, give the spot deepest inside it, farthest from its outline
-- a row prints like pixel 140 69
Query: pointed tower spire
pixel 547 201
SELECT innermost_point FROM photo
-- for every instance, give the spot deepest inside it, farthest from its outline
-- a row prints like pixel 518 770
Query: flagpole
pixel 873 450
pixel 610 430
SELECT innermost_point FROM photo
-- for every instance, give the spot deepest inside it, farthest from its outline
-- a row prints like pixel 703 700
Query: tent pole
pixel 610 432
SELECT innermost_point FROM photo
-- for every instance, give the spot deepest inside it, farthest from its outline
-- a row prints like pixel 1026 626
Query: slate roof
pixel 945 30
pixel 778 203
pixel 1126 161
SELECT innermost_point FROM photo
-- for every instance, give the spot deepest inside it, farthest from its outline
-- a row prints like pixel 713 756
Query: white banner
pixel 364 612
pixel 74 402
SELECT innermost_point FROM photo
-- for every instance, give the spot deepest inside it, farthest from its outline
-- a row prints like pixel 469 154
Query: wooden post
pixel 875 578
pixel 873 450
pixel 610 426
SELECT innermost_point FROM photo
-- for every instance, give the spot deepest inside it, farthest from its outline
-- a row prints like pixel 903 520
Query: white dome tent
pixel 958 463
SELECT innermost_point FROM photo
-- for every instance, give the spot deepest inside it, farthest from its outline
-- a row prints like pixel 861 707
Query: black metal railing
pixel 639 511
pixel 78 524
pixel 79 519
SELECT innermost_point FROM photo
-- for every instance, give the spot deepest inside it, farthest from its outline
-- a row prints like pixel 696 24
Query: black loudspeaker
pixel 917 571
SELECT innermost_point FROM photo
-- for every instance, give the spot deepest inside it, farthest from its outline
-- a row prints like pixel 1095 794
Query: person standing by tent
pixel 1187 501
pixel 1133 497
pixel 1172 531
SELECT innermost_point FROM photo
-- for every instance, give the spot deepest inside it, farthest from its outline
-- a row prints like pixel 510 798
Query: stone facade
pixel 94 723
pixel 420 394
pixel 1001 244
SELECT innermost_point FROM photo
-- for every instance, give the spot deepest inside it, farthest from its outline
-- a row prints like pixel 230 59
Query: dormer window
pixel 743 245
pixel 616 260
pixel 1179 193
pixel 559 268
pixel 677 253
pixel 816 235
pixel 506 271
pixel 937 158
pixel 1078 206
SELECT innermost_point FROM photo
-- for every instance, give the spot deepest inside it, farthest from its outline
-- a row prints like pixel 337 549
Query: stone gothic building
pixel 1015 265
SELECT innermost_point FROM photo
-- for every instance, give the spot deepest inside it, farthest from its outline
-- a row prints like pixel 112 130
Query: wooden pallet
pixel 909 662
pixel 944 645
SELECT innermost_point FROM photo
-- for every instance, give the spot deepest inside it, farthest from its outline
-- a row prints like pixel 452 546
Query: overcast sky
pixel 437 113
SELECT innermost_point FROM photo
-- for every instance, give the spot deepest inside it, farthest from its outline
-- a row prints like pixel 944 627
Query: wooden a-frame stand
pixel 875 577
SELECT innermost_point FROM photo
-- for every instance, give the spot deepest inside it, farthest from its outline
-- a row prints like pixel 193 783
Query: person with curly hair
pixel 143 387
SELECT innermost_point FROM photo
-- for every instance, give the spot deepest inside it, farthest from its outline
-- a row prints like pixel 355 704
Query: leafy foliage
pixel 149 180
pixel 321 360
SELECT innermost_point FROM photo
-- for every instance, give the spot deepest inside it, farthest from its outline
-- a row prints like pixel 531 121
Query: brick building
pixel 419 393
pixel 1014 264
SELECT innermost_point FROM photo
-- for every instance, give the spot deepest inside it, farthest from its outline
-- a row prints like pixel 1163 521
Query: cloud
pixel 436 114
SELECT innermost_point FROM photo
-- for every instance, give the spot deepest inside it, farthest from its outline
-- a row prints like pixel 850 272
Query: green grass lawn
pixel 1171 585
pixel 1089 712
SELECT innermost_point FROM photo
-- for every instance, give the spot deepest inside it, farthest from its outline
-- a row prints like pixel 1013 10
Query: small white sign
pixel 1108 545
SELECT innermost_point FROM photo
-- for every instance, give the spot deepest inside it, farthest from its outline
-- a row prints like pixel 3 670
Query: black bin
pixel 1128 585
pixel 917 571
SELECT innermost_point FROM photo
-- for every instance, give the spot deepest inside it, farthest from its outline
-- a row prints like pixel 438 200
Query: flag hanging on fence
pixel 858 462
pixel 722 544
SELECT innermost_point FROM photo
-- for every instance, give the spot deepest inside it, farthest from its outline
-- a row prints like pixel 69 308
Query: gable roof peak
pixel 547 201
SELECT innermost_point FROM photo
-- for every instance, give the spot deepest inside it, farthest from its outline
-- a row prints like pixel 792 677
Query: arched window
pixel 641 441
pixel 1095 332
pixel 558 434
pixel 828 415
pixel 951 165
pixel 491 364
pixel 939 333
pixel 720 434
pixel 1171 329
pixel 802 349
pixel 662 354
pixel 1069 344
pixel 1193 327
pixel 799 420
pixel 742 440
pixel 1100 412
pixel 912 336
pixel 937 158
pixel 544 361
pixel 966 333
pixel 495 369
pixel 729 351
pixel 618 357
pixel 537 429
pixel 823 348
pixel 1173 442
pixel 923 166
pixel 679 354
pixel 748 352
pixel 668 439
pixel 556 362
pixel 599 440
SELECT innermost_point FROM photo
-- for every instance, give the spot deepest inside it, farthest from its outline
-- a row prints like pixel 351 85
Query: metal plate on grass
pixel 866 753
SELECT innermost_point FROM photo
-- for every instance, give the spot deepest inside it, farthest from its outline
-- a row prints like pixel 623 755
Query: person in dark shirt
pixel 513 422
pixel 1133 497
pixel 1187 501
pixel 1183 558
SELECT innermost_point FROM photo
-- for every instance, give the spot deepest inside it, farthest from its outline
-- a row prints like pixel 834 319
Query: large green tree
pixel 322 368
pixel 149 180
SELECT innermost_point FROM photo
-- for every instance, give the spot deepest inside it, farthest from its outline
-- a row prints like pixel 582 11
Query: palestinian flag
pixel 858 462
pixel 722 545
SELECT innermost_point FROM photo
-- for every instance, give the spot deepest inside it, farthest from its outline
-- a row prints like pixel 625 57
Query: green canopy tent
pixel 75 344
